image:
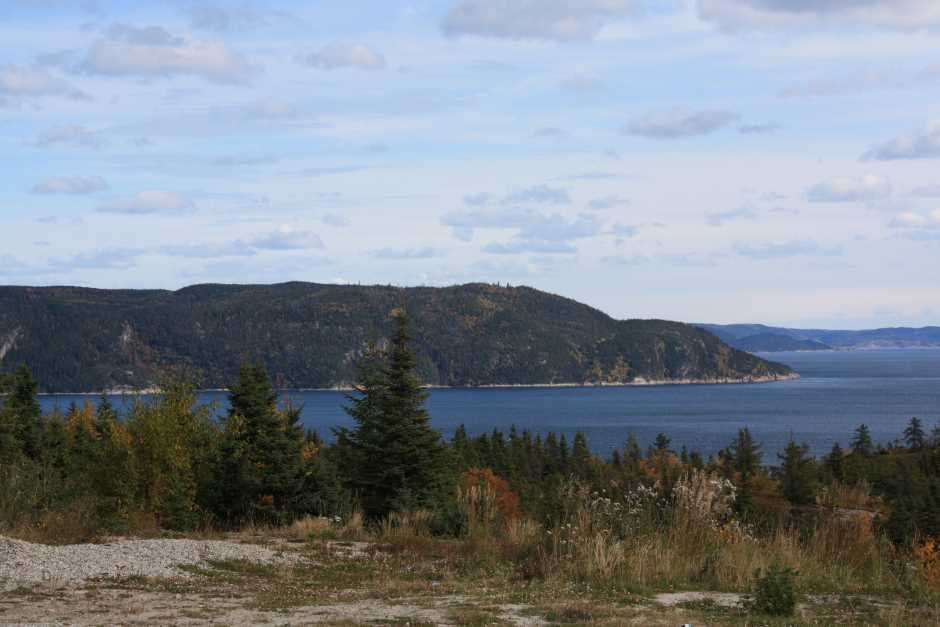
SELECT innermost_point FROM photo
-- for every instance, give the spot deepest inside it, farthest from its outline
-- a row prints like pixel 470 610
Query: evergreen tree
pixel 862 443
pixel 798 480
pixel 834 462
pixel 399 460
pixel 258 475
pixel 661 443
pixel 744 458
pixel 23 412
pixel 914 435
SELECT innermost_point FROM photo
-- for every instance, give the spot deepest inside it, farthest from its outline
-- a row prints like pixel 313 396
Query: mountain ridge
pixel 309 336
pixel 765 338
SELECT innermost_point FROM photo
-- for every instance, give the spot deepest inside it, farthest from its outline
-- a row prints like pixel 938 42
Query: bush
pixel 774 593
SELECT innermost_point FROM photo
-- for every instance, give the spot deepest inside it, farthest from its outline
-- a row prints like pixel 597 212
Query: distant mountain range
pixel 762 338
pixel 310 335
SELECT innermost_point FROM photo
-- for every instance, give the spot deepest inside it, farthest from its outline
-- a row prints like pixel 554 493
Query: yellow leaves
pixel 84 419
pixel 927 555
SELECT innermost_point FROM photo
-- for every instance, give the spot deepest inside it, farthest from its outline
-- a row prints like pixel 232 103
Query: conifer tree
pixel 798 480
pixel 24 413
pixel 834 462
pixel 398 459
pixel 914 435
pixel 259 471
pixel 744 456
pixel 862 443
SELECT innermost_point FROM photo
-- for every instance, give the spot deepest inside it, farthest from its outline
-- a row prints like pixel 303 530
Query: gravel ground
pixel 23 563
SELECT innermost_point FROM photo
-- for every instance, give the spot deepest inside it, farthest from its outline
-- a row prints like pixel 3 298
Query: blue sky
pixel 702 160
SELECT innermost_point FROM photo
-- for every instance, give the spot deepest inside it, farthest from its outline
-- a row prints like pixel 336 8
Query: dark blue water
pixel 837 391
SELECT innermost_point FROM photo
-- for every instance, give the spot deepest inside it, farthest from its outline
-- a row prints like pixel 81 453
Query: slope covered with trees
pixel 310 335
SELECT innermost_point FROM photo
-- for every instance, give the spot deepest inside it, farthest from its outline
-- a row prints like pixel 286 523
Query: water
pixel 837 392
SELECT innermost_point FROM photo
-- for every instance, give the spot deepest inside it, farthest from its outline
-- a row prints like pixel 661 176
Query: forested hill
pixel 309 335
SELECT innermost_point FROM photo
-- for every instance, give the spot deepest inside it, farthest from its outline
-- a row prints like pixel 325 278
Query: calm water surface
pixel 837 391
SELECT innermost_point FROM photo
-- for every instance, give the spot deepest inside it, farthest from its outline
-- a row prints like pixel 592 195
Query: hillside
pixel 309 335
pixel 759 337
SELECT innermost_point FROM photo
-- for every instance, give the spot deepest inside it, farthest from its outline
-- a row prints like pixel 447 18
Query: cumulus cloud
pixel 70 185
pixel 913 220
pixel 225 18
pixel 927 191
pixel 341 55
pixel 69 135
pixel 847 189
pixel 782 249
pixel 287 238
pixel 464 223
pixel 553 20
pixel 764 14
pixel 919 144
pixel 100 259
pixel 148 202
pixel 679 123
pixel 152 51
pixel 424 252
pixel 24 82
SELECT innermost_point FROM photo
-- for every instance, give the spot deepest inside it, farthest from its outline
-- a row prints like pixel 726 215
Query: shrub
pixel 774 593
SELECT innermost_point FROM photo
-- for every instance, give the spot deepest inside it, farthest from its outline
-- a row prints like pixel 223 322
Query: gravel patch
pixel 24 563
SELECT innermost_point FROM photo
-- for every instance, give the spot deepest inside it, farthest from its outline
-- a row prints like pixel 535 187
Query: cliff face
pixel 310 335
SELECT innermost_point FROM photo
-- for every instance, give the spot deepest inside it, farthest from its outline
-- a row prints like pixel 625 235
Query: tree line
pixel 169 463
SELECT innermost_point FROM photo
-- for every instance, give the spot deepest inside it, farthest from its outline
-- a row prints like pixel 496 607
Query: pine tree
pixel 798 480
pixel 862 443
pixel 24 415
pixel 258 474
pixel 834 462
pixel 744 459
pixel 914 435
pixel 398 459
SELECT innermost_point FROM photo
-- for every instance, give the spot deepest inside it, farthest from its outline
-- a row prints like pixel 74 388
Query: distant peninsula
pixel 310 336
pixel 762 338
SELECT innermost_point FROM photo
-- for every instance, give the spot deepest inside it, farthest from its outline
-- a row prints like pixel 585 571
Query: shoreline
pixel 639 382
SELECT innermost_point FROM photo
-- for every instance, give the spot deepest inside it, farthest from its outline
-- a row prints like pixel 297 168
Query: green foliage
pixel 914 435
pixel 258 471
pixel 862 443
pixel 774 593
pixel 798 474
pixel 84 340
pixel 397 460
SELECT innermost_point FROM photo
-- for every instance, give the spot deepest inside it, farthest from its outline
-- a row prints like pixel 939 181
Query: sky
pixel 772 161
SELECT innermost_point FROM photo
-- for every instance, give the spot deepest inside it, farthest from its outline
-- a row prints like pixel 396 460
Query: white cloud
pixel 720 218
pixel 920 144
pixel 783 249
pixel 679 123
pixel 609 202
pixel 149 202
pixel 154 52
pixel 424 252
pixel 766 14
pixel 912 220
pixel 287 238
pixel 339 55
pixel 539 194
pixel 847 189
pixel 521 246
pixel 70 185
pixel 19 82
pixel 555 20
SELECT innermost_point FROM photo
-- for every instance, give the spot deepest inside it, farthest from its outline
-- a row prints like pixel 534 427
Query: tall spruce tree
pixel 258 473
pixel 798 476
pixel 914 435
pixel 398 461
pixel 23 414
pixel 862 443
